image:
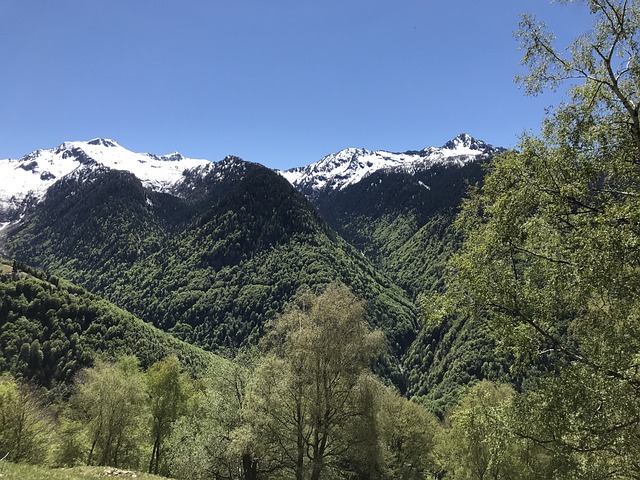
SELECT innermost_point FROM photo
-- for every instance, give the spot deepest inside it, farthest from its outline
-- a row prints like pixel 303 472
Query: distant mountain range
pixel 25 181
pixel 212 251
pixel 348 167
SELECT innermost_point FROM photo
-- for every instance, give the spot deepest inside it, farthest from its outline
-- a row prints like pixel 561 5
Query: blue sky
pixel 280 82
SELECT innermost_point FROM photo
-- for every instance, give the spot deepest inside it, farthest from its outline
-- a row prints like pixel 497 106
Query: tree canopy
pixel 550 255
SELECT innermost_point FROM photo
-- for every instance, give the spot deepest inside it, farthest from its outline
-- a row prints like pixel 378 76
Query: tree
pixel 604 62
pixel 24 426
pixel 304 398
pixel 408 435
pixel 208 440
pixel 478 443
pixel 70 448
pixel 111 398
pixel 168 392
pixel 550 253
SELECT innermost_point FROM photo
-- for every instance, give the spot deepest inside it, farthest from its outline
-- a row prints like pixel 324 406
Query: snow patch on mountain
pixel 348 167
pixel 25 181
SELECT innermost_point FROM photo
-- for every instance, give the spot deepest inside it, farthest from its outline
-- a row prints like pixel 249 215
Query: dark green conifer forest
pixel 486 328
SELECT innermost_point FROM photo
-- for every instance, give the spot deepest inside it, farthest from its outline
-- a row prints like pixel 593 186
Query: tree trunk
pixel 299 443
pixel 157 466
pixel 249 467
pixel 93 446
pixel 153 456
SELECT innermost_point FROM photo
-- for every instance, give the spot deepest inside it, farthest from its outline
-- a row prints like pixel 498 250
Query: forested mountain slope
pixel 212 251
pixel 50 329
pixel 384 214
pixel 212 263
pixel 397 208
pixel 402 218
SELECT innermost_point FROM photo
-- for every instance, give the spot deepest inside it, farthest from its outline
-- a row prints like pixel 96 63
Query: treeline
pixel 304 405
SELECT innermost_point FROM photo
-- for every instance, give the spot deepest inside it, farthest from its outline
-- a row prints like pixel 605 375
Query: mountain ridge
pixel 212 251
pixel 27 179
pixel 212 266
pixel 345 168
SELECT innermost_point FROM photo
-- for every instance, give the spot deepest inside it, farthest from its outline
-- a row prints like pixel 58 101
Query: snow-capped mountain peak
pixel 26 180
pixel 466 143
pixel 105 142
pixel 347 167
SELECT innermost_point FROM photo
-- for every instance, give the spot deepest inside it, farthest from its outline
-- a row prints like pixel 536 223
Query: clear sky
pixel 280 82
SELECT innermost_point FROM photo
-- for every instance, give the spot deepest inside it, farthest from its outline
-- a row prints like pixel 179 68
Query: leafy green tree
pixel 111 399
pixel 196 446
pixel 209 439
pixel 168 391
pixel 475 444
pixel 70 448
pixel 408 434
pixel 550 253
pixel 303 401
pixel 24 427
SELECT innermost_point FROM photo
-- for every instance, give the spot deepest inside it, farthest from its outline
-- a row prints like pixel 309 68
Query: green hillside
pixel 408 232
pixel 50 329
pixel 212 267
pixel 382 213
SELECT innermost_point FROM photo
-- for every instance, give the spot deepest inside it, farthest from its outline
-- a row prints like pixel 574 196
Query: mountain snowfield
pixel 37 171
pixel 350 166
pixel 25 181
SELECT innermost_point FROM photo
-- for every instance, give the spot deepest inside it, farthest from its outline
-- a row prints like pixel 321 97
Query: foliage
pixel 50 329
pixel 449 356
pixel 408 434
pixel 208 439
pixel 418 265
pixel 478 440
pixel 550 248
pixel 212 267
pixel 111 400
pixel 310 398
pixel 303 396
pixel 24 426
pixel 168 392
pixel 383 215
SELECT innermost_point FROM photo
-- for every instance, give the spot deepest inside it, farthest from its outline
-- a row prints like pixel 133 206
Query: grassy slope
pixel 13 471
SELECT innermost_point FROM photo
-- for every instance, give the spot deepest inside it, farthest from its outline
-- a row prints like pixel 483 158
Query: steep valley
pixel 215 253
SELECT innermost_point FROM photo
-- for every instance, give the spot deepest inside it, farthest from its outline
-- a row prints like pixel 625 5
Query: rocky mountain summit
pixel 25 181
pixel 348 167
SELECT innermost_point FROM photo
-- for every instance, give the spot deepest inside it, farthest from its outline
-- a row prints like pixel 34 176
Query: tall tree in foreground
pixel 208 441
pixel 306 399
pixel 24 427
pixel 551 251
pixel 111 399
pixel 477 440
pixel 167 387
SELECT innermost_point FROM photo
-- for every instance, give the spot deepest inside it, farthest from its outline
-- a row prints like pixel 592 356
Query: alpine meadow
pixel 463 312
